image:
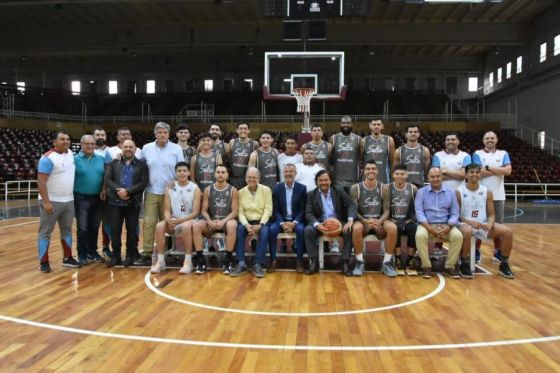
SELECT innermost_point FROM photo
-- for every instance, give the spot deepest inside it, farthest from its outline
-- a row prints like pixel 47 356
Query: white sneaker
pixel 186 269
pixel 158 267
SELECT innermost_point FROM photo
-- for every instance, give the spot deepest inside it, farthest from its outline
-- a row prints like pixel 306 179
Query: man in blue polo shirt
pixel 88 183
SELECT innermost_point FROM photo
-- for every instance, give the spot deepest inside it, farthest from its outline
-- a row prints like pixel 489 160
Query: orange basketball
pixel 333 227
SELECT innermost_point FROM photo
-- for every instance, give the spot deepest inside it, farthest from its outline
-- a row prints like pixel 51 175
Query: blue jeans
pixel 262 241
pixel 88 217
pixel 274 229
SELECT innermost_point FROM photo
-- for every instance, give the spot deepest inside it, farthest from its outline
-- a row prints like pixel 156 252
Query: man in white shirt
pixel 290 156
pixel 495 164
pixel 123 134
pixel 55 180
pixel 452 162
pixel 307 170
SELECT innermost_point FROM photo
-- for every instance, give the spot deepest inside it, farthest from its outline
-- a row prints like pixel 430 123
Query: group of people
pixel 246 188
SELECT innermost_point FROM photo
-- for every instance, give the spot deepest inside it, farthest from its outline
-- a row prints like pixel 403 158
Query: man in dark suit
pixel 288 200
pixel 125 181
pixel 323 203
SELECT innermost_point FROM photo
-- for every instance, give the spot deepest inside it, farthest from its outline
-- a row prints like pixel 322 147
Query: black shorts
pixel 407 228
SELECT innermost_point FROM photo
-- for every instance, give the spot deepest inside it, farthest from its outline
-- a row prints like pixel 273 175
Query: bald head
pixel 434 177
pixel 128 149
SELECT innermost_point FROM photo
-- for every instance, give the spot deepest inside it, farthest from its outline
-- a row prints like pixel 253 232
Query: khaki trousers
pixel 455 239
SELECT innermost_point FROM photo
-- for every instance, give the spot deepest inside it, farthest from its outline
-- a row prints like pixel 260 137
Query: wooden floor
pixel 99 319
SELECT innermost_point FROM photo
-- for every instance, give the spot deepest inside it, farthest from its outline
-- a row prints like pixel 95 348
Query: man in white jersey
pixel 123 134
pixel 495 165
pixel 290 156
pixel 55 180
pixel 181 207
pixel 452 162
pixel 478 219
pixel 307 170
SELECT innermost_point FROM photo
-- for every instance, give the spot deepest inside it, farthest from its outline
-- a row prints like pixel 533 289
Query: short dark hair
pixel 98 129
pixel 245 123
pixel 222 165
pixel 321 173
pixel 473 166
pixel 453 134
pixel 370 161
pixel 413 125
pixel 204 135
pixel 217 125
pixel 123 128
pixel 316 125
pixel 400 167
pixel 183 126
pixel 182 164
pixel 291 137
pixel 266 132
pixel 61 132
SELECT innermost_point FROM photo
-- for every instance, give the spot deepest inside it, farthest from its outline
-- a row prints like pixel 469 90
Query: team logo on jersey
pixel 220 203
pixel 270 163
pixel 345 147
pixel 241 152
pixel 413 158
pixel 374 149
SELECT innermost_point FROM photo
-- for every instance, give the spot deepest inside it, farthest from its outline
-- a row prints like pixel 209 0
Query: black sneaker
pixel 466 269
pixel 95 257
pixel 505 271
pixel 70 262
pixel 227 268
pixel 143 260
pixel 107 252
pixel 114 261
pixel 45 267
pixel 200 268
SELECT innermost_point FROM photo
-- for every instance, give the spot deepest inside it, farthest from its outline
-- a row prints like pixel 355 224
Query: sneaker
pixel 114 261
pixel 70 262
pixel 426 272
pixel 83 261
pixel 466 269
pixel 227 268
pixel 258 271
pixel 388 269
pixel 271 267
pixel 200 268
pixel 45 267
pixel 497 258
pixel 186 269
pixel 505 271
pixel 335 248
pixel 107 252
pixel 400 267
pixel 95 258
pixel 451 273
pixel 238 271
pixel 477 256
pixel 411 268
pixel 358 268
pixel 154 258
pixel 142 260
pixel 157 268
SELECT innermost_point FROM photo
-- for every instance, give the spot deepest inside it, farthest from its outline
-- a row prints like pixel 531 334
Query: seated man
pixel 255 210
pixel 372 218
pixel 181 205
pixel 437 211
pixel 398 198
pixel 479 219
pixel 219 210
pixel 324 203
pixel 288 201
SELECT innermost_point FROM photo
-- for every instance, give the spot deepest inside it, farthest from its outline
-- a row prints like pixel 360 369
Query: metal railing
pixel 18 190
pixel 532 136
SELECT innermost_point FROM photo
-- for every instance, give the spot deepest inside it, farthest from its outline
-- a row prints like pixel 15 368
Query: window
pixel 499 76
pixel 20 87
pixel 113 87
pixel 491 80
pixel 247 85
pixel 150 87
pixel 542 55
pixel 76 87
pixel 473 84
pixel 519 67
pixel 208 85
pixel 508 70
pixel 542 139
pixel 557 45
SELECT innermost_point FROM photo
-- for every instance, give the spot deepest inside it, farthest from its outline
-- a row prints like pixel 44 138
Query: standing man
pixel 218 146
pixel 181 208
pixel 437 211
pixel 125 180
pixel 265 158
pixel 380 148
pixel 495 164
pixel 322 148
pixel 398 197
pixel 288 201
pixel 240 151
pixel 372 218
pixel 203 164
pixel 414 156
pixel 161 156
pixel 123 134
pixel 255 210
pixel 219 210
pixel 102 149
pixel 183 136
pixel 55 180
pixel 345 155
pixel 323 203
pixel 478 218
pixel 452 162
pixel 306 171
pixel 88 187
pixel 290 156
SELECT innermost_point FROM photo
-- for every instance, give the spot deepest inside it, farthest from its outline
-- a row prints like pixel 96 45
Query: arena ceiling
pixel 43 29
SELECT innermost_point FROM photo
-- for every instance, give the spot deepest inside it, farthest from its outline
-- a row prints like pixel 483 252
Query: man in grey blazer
pixel 323 203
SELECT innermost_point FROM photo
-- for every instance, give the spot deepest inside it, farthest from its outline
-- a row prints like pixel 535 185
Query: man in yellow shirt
pixel 255 210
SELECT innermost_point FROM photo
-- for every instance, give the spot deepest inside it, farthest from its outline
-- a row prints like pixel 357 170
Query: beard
pixel 215 136
pixel 346 131
pixel 100 143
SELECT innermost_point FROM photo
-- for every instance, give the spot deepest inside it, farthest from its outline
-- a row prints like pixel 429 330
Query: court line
pixel 516 209
pixel 441 285
pixel 279 347
pixel 20 224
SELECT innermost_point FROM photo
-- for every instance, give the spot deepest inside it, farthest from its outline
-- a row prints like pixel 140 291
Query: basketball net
pixel 303 97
